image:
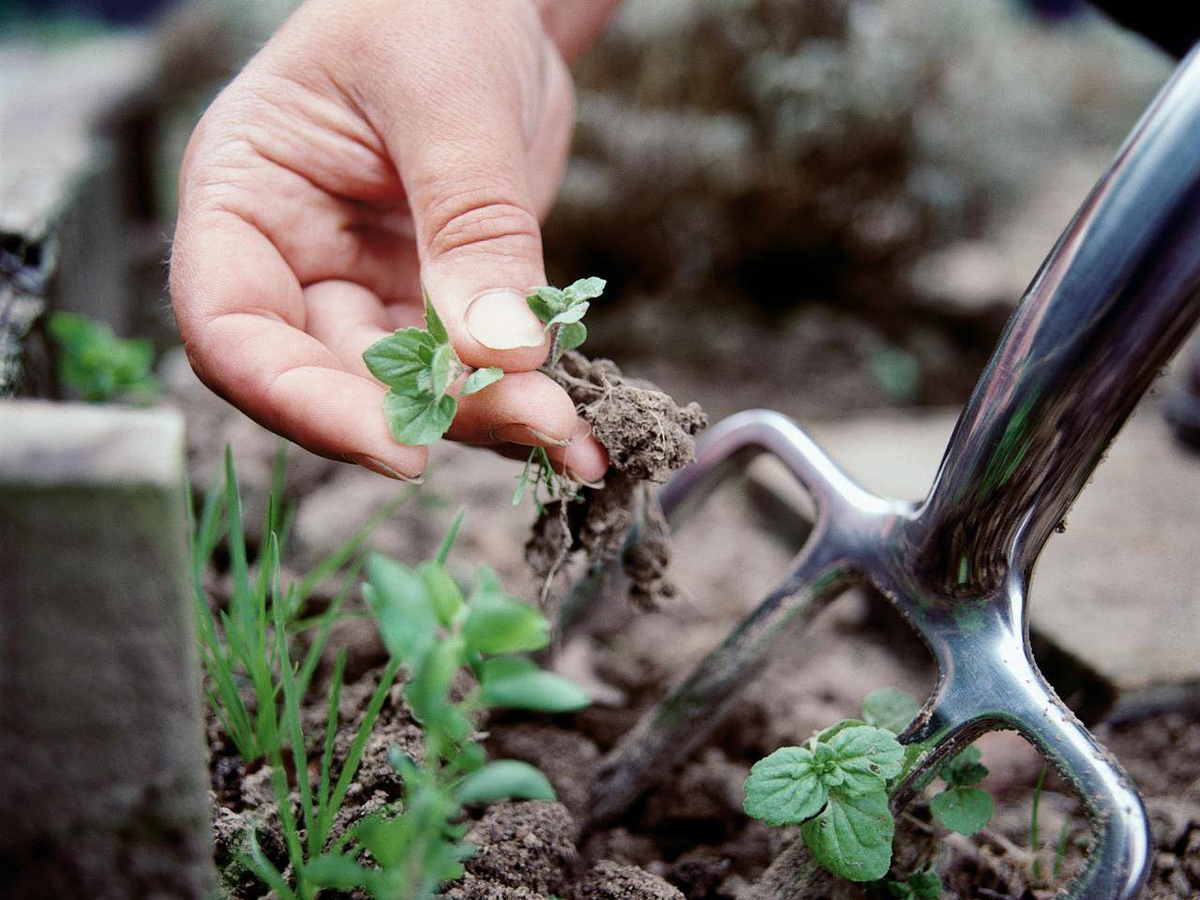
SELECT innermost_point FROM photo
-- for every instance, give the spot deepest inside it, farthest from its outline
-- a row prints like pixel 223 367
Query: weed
pixel 836 788
pixel 98 365
pixel 419 365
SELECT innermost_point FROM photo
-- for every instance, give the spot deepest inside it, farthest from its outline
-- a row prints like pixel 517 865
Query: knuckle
pixel 481 222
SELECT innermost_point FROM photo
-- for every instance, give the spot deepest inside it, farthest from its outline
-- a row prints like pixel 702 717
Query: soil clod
pixel 612 881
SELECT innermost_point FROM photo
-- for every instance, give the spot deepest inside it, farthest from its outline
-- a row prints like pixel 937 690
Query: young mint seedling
pixel 836 786
pixel 962 806
pixel 562 309
pixel 418 365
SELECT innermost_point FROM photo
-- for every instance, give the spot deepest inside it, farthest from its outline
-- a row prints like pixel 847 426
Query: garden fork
pixel 1116 296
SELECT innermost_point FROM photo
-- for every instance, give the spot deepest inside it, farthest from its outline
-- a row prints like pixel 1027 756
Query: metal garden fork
pixel 1117 295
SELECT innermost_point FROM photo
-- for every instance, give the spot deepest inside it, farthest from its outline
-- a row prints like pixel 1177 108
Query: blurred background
pixel 822 206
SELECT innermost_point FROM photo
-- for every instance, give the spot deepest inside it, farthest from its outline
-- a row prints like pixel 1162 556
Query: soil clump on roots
pixel 648 436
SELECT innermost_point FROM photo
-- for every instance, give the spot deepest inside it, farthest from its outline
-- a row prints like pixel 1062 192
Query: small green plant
pixel 99 366
pixel 237 643
pixel 420 367
pixel 923 884
pixel 562 310
pixel 836 788
pixel 440 636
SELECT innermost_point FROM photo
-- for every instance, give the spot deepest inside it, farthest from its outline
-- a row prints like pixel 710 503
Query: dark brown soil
pixel 648 435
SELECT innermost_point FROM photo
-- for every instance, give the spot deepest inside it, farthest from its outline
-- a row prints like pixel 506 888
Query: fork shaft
pixel 1114 299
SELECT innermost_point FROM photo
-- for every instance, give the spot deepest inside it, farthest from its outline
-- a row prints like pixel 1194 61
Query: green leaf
pixel 962 809
pixel 499 623
pixel 481 378
pixel 827 734
pixel 517 683
pixel 852 837
pixel 544 307
pixel 399 359
pixel 447 545
pixel 866 757
pixel 925 884
pixel 401 604
pixel 965 769
pixel 335 871
pixel 783 788
pixel 502 780
pixel 570 314
pixel 386 839
pixel 444 594
pixel 546 302
pixel 431 681
pixel 420 418
pixel 889 708
pixel 572 335
pixel 432 321
pixel 442 369
pixel 585 289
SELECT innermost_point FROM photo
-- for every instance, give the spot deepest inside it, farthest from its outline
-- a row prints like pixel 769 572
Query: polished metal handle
pixel 1111 303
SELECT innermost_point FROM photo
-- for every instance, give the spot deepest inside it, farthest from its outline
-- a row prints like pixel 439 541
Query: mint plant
pixel 99 366
pixel 836 788
pixel 562 311
pixel 418 365
pixel 923 884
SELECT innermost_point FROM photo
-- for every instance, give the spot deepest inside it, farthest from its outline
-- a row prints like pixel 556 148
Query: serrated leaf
pixel 585 289
pixel 418 419
pixel 386 839
pixel 517 683
pixel 826 734
pixel 866 757
pixel 965 769
pixel 572 335
pixel 503 780
pixel 499 623
pixel 890 708
pixel 962 809
pixel 442 369
pixel 481 378
pixel 402 358
pixel 925 884
pixel 432 321
pixel 783 788
pixel 852 837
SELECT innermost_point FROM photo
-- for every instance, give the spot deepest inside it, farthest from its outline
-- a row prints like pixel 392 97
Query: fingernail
pixel 502 320
pixel 370 462
pixel 576 478
pixel 526 436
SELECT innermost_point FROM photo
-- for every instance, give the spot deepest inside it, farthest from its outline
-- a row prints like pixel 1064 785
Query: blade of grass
pixel 350 766
pixel 331 723
pixel 451 535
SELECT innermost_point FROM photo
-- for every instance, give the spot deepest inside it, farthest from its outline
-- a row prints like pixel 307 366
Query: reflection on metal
pixel 1116 296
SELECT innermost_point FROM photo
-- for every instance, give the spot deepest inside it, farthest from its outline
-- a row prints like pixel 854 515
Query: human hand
pixel 370 144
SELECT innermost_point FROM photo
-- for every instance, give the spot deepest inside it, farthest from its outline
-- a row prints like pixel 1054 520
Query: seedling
pixel 836 788
pixel 420 367
pixel 98 365
pixel 439 635
pixel 923 884
pixel 562 310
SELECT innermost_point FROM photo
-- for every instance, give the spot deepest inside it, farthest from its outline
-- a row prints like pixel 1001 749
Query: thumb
pixel 465 159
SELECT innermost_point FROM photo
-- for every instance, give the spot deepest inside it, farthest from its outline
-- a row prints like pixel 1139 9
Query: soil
pixel 648 436
pixel 689 836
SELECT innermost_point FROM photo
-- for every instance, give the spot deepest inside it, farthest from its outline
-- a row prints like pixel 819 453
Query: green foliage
pixel 922 884
pixel 890 709
pixel 836 785
pixel 540 474
pixel 437 632
pixel 237 643
pixel 963 807
pixel 99 366
pixel 418 365
pixel 562 311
